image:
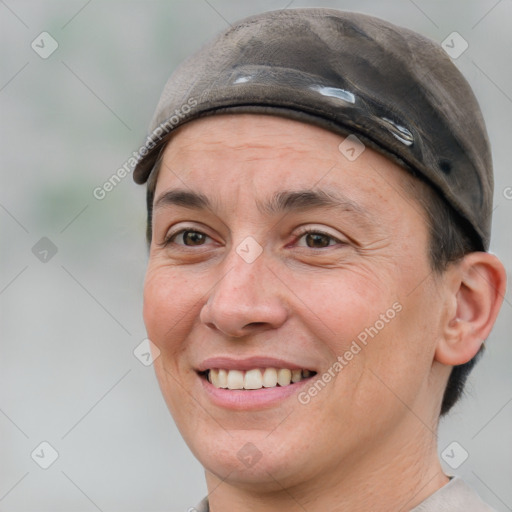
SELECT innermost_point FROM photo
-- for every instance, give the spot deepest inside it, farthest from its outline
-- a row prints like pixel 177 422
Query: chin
pixel 250 459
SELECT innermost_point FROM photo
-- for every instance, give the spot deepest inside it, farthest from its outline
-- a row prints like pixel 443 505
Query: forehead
pixel 247 138
pixel 265 148
pixel 260 155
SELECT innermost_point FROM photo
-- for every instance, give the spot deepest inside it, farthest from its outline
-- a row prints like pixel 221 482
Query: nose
pixel 246 300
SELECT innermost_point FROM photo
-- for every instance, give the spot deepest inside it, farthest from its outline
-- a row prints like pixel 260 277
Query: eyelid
pixel 170 234
pixel 304 230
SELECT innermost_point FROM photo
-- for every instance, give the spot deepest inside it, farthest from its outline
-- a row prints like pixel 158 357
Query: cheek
pixel 169 304
pixel 169 311
pixel 399 358
pixel 381 330
pixel 352 302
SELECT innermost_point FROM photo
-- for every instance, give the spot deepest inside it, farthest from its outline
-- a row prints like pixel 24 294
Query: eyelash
pixel 312 231
pixel 170 238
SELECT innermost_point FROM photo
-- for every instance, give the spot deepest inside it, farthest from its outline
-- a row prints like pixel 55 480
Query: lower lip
pixel 245 400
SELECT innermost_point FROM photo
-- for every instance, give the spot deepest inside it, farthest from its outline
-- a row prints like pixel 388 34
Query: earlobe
pixel 480 282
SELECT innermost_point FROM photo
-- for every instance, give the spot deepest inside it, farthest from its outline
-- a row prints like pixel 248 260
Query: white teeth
pixel 223 379
pixel 253 379
pixel 213 377
pixel 235 379
pixel 284 377
pixel 256 378
pixel 270 378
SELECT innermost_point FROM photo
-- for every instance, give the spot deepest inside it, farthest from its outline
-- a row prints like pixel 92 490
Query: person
pixel 319 195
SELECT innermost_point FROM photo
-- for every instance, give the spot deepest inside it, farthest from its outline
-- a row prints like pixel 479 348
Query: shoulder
pixel 201 507
pixel 455 496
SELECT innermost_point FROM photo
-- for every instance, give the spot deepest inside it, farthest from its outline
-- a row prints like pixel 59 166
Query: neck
pixel 409 474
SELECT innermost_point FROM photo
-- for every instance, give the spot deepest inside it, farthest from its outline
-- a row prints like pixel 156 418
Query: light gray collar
pixel 455 495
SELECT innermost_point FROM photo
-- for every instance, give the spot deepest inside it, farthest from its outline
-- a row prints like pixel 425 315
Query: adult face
pixel 328 271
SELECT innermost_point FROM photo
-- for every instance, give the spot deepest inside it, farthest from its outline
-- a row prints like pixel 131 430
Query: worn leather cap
pixel 398 92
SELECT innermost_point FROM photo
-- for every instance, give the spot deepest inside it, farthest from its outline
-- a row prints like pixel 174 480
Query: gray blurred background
pixel 72 266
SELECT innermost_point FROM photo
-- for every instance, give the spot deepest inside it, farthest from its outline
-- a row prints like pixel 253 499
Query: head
pixel 360 275
pixel 268 244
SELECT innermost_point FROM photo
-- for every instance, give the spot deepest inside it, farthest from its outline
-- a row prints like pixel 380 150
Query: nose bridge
pixel 242 284
pixel 244 298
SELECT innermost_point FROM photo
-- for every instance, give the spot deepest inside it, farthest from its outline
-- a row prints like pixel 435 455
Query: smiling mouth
pixel 257 378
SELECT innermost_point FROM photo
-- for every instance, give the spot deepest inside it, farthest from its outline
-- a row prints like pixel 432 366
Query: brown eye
pixel 312 238
pixel 193 238
pixel 188 237
pixel 317 240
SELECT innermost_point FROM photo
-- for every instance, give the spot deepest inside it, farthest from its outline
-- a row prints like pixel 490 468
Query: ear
pixel 477 285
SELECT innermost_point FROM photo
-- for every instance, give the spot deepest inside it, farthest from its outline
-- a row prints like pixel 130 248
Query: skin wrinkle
pixel 373 426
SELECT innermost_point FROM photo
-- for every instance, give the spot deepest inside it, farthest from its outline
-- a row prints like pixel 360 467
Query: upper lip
pixel 249 363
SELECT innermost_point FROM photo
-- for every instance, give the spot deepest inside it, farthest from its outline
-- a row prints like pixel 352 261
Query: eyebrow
pixel 184 198
pixel 293 200
pixel 281 202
